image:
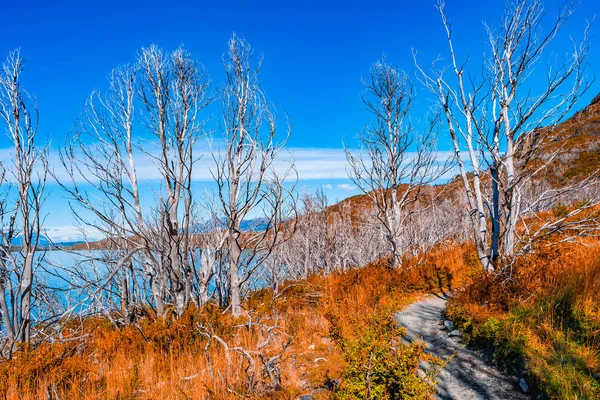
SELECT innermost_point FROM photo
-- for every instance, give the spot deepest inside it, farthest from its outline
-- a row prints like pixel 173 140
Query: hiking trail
pixel 466 375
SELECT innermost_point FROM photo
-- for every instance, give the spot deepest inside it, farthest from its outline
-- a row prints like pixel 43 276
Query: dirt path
pixel 466 375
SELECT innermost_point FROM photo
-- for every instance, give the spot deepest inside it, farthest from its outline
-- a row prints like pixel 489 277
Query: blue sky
pixel 315 53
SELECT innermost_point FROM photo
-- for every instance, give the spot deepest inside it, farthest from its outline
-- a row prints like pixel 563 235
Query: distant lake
pixel 61 271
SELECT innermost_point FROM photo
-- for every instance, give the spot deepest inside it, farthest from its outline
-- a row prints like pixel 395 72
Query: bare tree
pixel 167 92
pixel 340 244
pixel 329 239
pixel 261 361
pixel 502 124
pixel 21 200
pixel 303 254
pixel 210 241
pixel 246 173
pixel 173 93
pixel 394 164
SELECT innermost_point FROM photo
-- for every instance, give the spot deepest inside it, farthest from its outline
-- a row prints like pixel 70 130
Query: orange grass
pixel 543 322
pixel 170 359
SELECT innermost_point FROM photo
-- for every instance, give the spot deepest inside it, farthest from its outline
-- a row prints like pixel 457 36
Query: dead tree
pixel 210 239
pixel 261 360
pixel 22 184
pixel 303 254
pixel 502 123
pixel 165 92
pixel 245 171
pixel 173 92
pixel 386 168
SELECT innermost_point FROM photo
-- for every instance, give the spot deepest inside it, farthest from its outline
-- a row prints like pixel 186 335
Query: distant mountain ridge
pixel 247 225
pixel 250 225
pixel 45 242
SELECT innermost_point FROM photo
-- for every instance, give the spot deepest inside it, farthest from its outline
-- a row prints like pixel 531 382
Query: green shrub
pixel 560 211
pixel 378 367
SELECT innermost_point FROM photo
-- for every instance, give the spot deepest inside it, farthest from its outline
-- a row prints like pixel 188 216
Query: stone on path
pixel 449 325
pixel 524 385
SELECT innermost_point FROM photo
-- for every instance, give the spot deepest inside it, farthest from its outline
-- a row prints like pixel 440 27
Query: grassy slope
pixel 340 326
pixel 544 322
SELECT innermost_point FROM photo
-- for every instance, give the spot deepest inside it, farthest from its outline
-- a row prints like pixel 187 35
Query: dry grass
pixel 544 322
pixel 173 358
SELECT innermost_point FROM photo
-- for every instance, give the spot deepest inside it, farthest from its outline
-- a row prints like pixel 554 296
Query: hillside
pixel 313 337
pixel 576 142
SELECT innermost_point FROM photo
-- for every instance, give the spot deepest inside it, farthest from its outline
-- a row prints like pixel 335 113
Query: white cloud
pixel 310 163
pixel 319 163
pixel 346 187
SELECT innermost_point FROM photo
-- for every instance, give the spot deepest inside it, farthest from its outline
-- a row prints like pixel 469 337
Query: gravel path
pixel 466 376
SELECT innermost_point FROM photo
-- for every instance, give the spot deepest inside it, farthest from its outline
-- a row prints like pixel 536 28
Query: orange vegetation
pixel 322 318
pixel 543 321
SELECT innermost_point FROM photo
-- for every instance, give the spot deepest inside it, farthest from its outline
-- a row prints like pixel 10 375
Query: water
pixel 76 282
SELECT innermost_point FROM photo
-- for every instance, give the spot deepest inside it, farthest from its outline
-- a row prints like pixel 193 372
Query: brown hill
pixel 577 141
